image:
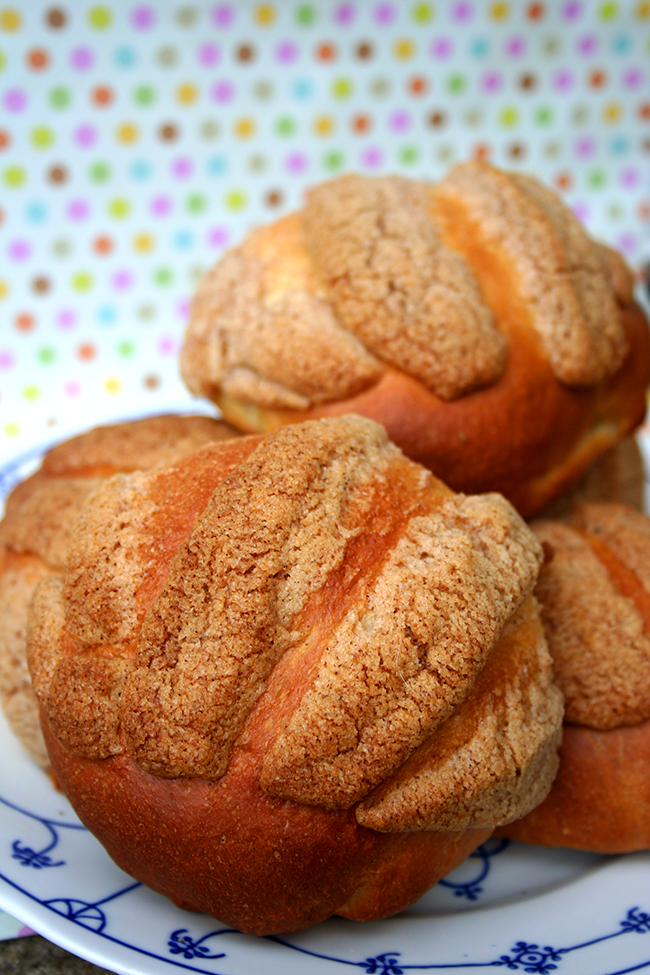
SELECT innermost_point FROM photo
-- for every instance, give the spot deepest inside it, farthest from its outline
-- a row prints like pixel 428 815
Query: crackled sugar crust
pixel 386 272
pixel 317 599
pixel 36 529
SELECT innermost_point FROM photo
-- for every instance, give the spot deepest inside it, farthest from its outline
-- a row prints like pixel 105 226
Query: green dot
pixel 126 348
pixel 14 176
pixel 60 98
pixel 285 126
pixel 196 203
pixel 144 95
pixel 609 11
pixel 82 281
pixel 100 17
pixel 544 115
pixel 100 172
pixel 119 208
pixel 236 200
pixel 423 13
pixel 3 61
pixel 163 276
pixel 31 393
pixel 597 179
pixel 342 88
pixel 409 155
pixel 42 137
pixel 46 355
pixel 305 15
pixel 457 84
pixel 333 160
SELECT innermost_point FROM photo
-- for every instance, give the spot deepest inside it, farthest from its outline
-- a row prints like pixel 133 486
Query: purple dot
pixel 143 18
pixel 183 311
pixel 19 250
pixel 218 236
pixel 627 243
pixel 296 162
pixel 286 52
pixel 572 11
pixel 629 178
pixel 345 14
pixel 73 388
pixel 66 319
pixel 78 209
pixel 441 47
pixel 15 100
pixel 167 343
pixel 462 12
pixel 223 16
pixel 515 47
pixel 222 92
pixel 372 157
pixel 85 136
pixel 563 81
pixel 161 206
pixel 587 45
pixel 400 121
pixel 384 13
pixel 7 360
pixel 122 279
pixel 492 82
pixel 633 78
pixel 182 168
pixel 209 55
pixel 581 211
pixel 585 147
pixel 82 58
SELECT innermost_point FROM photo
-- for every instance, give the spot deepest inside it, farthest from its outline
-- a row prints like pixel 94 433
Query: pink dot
pixel 582 212
pixel 7 359
pixel 633 78
pixel 441 47
pixel 20 250
pixel 563 81
pixel 372 157
pixel 182 168
pixel 345 14
pixel 223 91
pixel 85 136
pixel 400 121
pixel 209 55
pixel 515 47
pixel 66 319
pixel 168 344
pixel 161 206
pixel 78 209
pixel 286 52
pixel 492 82
pixel 629 178
pixel 297 162
pixel 572 11
pixel 627 243
pixel 143 18
pixel 82 58
pixel 585 147
pixel 384 13
pixel 218 236
pixel 462 12
pixel 122 279
pixel 587 45
pixel 15 100
pixel 72 388
pixel 223 16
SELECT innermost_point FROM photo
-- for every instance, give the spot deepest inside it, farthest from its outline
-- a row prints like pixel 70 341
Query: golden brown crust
pixel 570 387
pixel 36 530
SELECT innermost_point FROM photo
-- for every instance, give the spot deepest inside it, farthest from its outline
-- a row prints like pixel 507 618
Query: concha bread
pixel 35 531
pixel 475 319
pixel 295 675
pixel 594 590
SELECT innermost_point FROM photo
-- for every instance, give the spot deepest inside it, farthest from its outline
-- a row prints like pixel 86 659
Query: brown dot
pixel 437 119
pixel 41 285
pixel 102 95
pixel 103 245
pixel 528 82
pixel 517 150
pixel 151 381
pixel 37 59
pixel 5 139
pixel 361 124
pixel 87 351
pixel 326 52
pixel 168 132
pixel 418 85
pixel 25 322
pixel 645 145
pixel 245 53
pixel 365 51
pixel 55 17
pixel 274 198
pixel 536 11
pixel 57 174
pixel 2 216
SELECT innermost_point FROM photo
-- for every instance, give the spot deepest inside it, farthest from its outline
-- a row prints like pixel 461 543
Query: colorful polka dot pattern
pixel 139 140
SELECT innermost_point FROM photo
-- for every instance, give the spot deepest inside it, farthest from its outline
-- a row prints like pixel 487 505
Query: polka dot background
pixel 138 140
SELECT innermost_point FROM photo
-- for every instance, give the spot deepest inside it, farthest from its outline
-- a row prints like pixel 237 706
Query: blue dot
pixel 217 165
pixel 125 57
pixel 620 145
pixel 480 47
pixel 622 43
pixel 141 169
pixel 183 239
pixel 36 212
pixel 106 315
pixel 303 88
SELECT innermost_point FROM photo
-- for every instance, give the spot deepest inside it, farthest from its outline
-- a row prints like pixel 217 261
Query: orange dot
pixel 482 151
pixel 2 215
pixel 5 139
pixel 536 11
pixel 326 52
pixel 361 124
pixel 418 85
pixel 102 95
pixel 38 59
pixel 103 245
pixel 644 210
pixel 597 79
pixel 87 351
pixel 644 111
pixel 563 180
pixel 25 322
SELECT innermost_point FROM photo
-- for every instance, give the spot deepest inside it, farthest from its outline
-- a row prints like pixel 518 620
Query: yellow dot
pixel 500 11
pixel 236 200
pixel 119 208
pixel 12 429
pixel 4 289
pixel 324 125
pixel 144 243
pixel 612 113
pixel 509 117
pixel 404 49
pixel 187 94
pixel 113 385
pixel 609 11
pixel 82 281
pixel 42 138
pixel 128 133
pixel 244 128
pixel 10 19
pixel 31 393
pixel 265 14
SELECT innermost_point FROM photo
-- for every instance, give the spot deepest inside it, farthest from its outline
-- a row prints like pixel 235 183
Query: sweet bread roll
pixel 474 318
pixel 295 675
pixel 594 589
pixel 36 528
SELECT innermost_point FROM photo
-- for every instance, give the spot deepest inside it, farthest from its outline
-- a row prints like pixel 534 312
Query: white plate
pixel 518 908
